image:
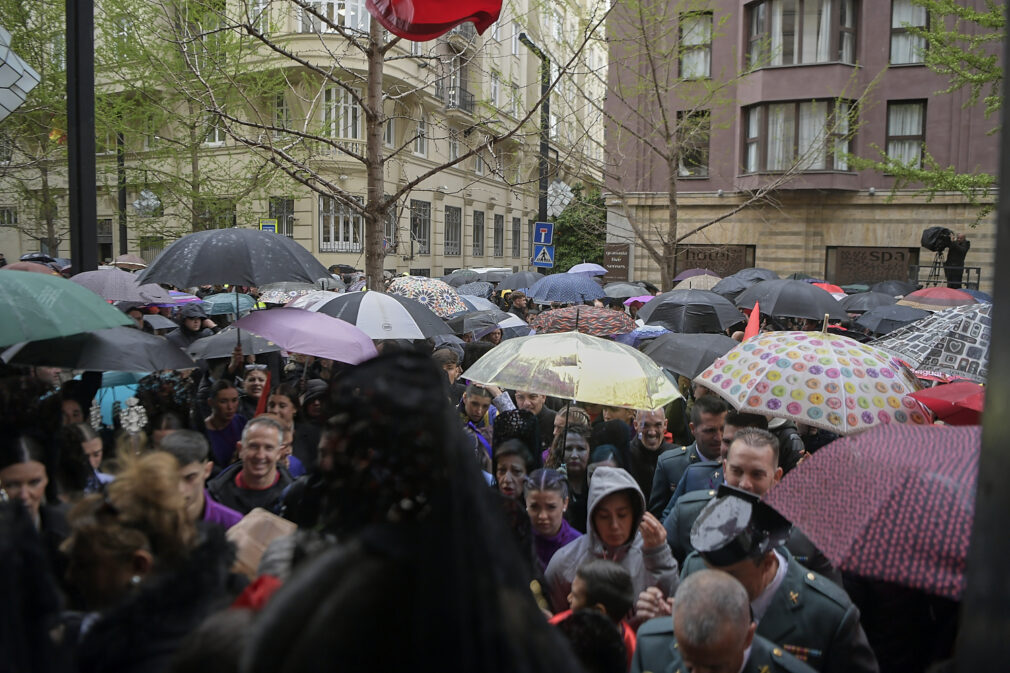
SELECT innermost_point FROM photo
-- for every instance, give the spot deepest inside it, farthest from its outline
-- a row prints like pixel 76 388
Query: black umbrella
pixel 864 301
pixel 622 290
pixel 755 274
pixel 895 288
pixel 122 349
pixel 688 354
pixel 691 311
pixel 475 321
pixel 886 319
pixel 233 256
pixel 494 275
pixel 158 321
pixel 799 275
pixel 523 280
pixel 223 343
pixel 791 299
pixel 462 277
pixel 732 287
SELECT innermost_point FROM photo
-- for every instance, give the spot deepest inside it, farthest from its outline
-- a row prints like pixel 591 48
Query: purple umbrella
pixel 310 333
pixel 691 273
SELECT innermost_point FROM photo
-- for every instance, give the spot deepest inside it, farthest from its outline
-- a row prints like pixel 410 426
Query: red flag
pixel 421 20
pixel 261 405
pixel 753 322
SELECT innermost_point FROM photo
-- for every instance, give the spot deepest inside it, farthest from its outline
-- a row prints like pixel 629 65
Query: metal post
pixel 81 134
pixel 121 181
pixel 985 621
pixel 545 123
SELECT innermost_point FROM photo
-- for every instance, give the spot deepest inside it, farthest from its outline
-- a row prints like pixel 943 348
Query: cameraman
pixel 953 266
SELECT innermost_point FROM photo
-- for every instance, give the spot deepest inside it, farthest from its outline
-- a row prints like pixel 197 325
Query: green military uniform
pixel 813 619
pixel 656 652
pixel 678 536
pixel 670 467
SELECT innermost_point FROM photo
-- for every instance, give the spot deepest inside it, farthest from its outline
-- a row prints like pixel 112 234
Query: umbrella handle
pixel 824 326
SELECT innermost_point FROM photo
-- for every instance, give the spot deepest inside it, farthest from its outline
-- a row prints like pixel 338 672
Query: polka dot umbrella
pixel 824 380
pixel 437 295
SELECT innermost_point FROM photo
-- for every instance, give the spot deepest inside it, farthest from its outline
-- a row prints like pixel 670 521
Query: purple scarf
pixel 547 546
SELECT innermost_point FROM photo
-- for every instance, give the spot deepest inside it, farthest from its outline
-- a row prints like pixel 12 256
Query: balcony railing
pixel 464 31
pixel 340 246
pixel 455 98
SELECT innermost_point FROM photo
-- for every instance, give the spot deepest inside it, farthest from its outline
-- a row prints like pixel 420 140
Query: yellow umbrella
pixel 578 367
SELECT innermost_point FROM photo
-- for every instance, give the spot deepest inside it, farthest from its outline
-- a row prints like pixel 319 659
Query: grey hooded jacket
pixel 648 567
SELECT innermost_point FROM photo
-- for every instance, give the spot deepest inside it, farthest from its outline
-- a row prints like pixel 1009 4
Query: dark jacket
pixel 670 467
pixel 813 619
pixel 142 633
pixel 182 337
pixel 243 500
pixel 642 464
pixel 657 651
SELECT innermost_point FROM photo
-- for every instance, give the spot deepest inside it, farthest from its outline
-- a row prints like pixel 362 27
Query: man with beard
pixel 647 446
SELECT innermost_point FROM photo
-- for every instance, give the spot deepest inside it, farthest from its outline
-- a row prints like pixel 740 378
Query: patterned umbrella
pixel 282 293
pixel 886 319
pixel 958 403
pixel 226 303
pixel 699 283
pixel 310 301
pixel 864 301
pixel 694 273
pixel 576 366
pixel 478 288
pixel 567 288
pixel 898 507
pixel 952 343
pixel 937 299
pixel 431 292
pixel 691 311
pixel 594 320
pixel 823 380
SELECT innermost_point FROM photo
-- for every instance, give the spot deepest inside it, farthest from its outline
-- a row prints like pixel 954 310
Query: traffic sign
pixel 543 233
pixel 268 224
pixel 543 256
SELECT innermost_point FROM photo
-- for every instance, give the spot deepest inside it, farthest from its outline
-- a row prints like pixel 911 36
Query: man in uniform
pixel 798 610
pixel 707 418
pixel 750 464
pixel 712 630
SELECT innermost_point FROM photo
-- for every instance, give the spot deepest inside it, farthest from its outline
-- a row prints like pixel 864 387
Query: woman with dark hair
pixel 511 463
pixel 546 504
pixel 283 402
pixel 163 425
pixel 570 454
pixel 253 383
pixel 419 580
pixel 80 457
pixel 224 425
pixel 136 559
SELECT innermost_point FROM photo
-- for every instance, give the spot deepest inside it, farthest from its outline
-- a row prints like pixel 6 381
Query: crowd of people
pixel 439 524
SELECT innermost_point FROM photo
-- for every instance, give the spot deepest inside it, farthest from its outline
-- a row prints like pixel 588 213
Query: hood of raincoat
pixel 607 481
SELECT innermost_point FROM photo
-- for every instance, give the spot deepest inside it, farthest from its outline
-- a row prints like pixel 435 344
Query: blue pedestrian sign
pixel 543 256
pixel 543 233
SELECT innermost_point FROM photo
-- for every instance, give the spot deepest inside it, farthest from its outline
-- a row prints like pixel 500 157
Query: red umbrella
pixel 937 299
pixel 894 503
pixel 421 20
pixel 958 403
pixel 592 320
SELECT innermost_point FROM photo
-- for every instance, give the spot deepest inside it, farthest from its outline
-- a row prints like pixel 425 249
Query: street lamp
pixel 545 112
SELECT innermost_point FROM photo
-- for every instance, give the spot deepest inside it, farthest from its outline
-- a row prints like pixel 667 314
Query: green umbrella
pixel 36 306
pixel 227 302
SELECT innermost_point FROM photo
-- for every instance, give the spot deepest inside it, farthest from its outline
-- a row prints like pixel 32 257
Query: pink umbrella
pixel 310 333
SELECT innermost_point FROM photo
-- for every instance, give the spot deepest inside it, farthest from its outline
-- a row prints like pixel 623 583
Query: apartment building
pixel 802 86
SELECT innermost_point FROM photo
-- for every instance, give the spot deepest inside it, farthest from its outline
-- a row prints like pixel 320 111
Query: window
pixel 341 114
pixel 122 29
pixel 793 32
pixel 453 144
pixel 513 98
pixel 8 217
pixel 552 124
pixel 693 133
pixel 499 235
pixel 696 45
pixel 906 46
pixel 282 115
pixel 259 15
pixel 390 234
pixel 906 131
pixel 341 227
pixel 349 14
pixel 516 30
pixel 812 135
pixel 420 225
pixel 517 237
pixel 478 164
pixel 151 247
pixel 7 148
pixel 214 137
pixel 478 233
pixel 416 49
pixel 214 212
pixel 421 139
pixel 556 21
pixel 283 210
pixel 389 132
pixel 496 31
pixel 495 88
pixel 529 236
pixel 453 231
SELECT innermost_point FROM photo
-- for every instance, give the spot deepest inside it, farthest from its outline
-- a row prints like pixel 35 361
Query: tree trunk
pixel 668 268
pixel 374 119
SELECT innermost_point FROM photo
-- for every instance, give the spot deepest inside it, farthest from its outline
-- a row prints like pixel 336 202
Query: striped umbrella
pixel 384 316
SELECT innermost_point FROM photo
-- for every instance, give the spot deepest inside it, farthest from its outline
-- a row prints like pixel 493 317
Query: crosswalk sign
pixel 543 256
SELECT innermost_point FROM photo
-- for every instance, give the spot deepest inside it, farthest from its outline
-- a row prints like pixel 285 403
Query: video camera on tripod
pixel 937 239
